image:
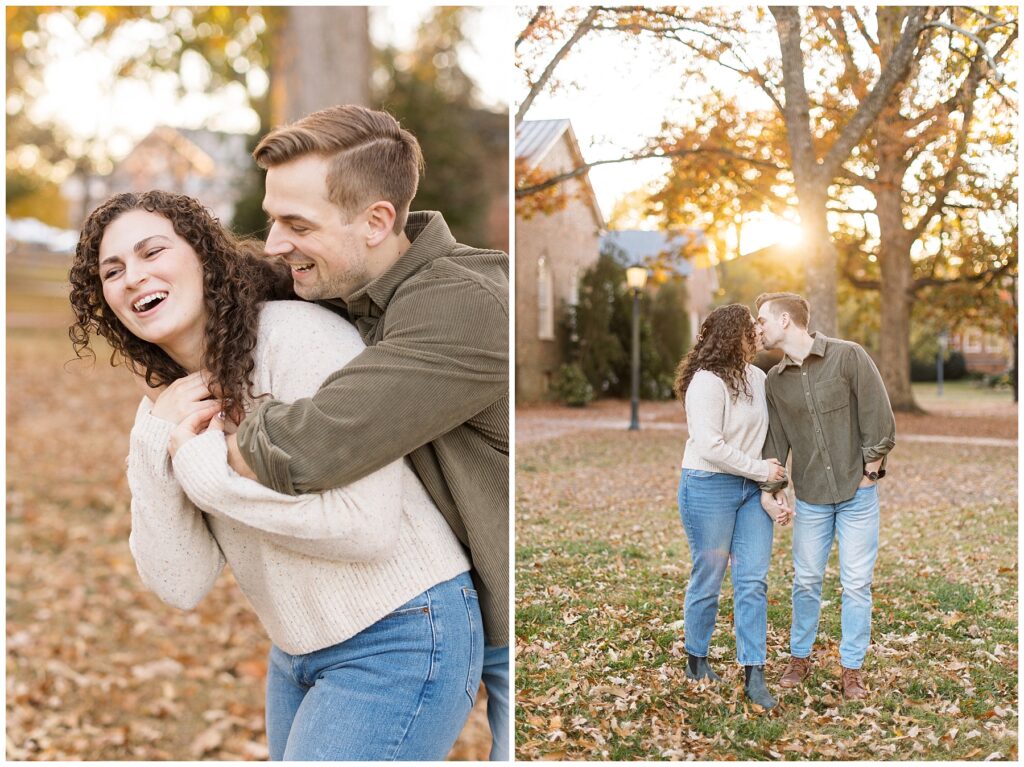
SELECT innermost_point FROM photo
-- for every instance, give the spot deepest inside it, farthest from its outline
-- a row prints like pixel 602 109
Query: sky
pixel 78 89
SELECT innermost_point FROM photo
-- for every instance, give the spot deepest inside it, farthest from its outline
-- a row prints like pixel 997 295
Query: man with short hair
pixel 432 383
pixel 827 404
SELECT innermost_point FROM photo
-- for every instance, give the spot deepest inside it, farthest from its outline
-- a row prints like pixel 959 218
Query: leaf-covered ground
pixel 97 667
pixel 602 564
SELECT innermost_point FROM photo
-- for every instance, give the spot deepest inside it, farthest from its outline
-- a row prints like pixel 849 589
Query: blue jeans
pixel 496 680
pixel 855 523
pixel 724 522
pixel 400 689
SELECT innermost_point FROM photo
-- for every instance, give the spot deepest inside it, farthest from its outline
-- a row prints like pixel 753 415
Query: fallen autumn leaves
pixel 602 564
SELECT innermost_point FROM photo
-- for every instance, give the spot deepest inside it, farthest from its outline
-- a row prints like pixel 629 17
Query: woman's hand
pixel 776 471
pixel 192 424
pixel 182 398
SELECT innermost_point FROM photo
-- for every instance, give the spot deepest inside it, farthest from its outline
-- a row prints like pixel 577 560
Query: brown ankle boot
pixel 796 671
pixel 853 684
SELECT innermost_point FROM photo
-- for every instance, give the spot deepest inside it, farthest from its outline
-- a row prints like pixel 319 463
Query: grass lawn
pixel 602 563
pixel 962 393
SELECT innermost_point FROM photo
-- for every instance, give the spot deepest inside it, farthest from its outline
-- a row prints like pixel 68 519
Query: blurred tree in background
pixel 277 61
pixel 465 145
pixel 597 331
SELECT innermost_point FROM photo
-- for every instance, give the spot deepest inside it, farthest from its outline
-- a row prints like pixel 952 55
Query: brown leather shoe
pixel 853 684
pixel 796 671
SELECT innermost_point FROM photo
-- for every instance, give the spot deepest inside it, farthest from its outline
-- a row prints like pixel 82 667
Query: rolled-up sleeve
pixel 874 413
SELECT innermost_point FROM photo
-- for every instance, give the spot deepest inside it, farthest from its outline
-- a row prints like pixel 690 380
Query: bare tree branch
pixel 982 47
pixel 797 110
pixel 849 250
pixel 995 22
pixel 755 76
pixel 559 178
pixel 863 29
pixel 834 24
pixel 541 9
pixel 535 88
pixel 988 276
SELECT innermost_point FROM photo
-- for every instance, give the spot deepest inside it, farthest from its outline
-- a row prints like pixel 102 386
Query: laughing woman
pixel 719 496
pixel 376 632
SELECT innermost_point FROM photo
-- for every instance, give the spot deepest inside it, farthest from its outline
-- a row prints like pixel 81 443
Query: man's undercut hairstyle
pixel 371 156
pixel 791 303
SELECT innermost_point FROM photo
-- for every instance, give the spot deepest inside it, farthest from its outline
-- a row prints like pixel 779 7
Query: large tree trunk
pixel 321 58
pixel 811 185
pixel 813 175
pixel 897 284
pixel 819 259
pixel 895 241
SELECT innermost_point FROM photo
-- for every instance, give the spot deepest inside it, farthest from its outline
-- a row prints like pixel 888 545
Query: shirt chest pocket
pixel 832 394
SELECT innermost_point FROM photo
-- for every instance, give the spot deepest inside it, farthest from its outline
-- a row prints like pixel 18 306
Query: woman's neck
pixel 187 352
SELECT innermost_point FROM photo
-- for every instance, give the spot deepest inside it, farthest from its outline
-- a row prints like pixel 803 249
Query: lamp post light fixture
pixel 636 278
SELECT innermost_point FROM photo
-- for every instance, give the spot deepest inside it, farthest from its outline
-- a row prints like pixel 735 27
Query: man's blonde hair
pixel 796 306
pixel 371 156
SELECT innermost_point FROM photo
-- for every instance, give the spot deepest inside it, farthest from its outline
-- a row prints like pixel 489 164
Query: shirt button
pixel 805 373
pixel 828 468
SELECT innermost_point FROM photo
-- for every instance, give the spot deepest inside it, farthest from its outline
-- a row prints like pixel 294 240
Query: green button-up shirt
pixel 833 412
pixel 432 384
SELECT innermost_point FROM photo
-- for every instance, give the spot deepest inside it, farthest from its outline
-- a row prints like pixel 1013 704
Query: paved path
pixel 531 428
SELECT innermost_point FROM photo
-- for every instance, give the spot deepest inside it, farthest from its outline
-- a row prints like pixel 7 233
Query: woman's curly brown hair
pixel 720 350
pixel 236 281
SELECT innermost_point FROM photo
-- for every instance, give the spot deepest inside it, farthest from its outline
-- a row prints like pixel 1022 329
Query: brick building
pixel 552 251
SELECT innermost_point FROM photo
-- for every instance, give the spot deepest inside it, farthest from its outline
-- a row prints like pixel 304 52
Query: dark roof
pixel 634 246
pixel 534 138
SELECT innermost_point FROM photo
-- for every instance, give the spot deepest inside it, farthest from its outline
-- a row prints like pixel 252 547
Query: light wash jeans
pixel 496 680
pixel 400 689
pixel 724 522
pixel 855 523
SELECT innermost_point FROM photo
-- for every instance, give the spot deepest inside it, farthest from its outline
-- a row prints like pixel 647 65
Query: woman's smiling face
pixel 153 281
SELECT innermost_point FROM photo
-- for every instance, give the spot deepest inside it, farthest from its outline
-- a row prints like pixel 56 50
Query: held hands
pixel 211 418
pixel 777 471
pixel 777 507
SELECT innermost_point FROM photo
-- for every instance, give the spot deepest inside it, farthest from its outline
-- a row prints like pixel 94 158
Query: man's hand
pixel 873 466
pixel 235 460
pixel 777 507
pixel 192 424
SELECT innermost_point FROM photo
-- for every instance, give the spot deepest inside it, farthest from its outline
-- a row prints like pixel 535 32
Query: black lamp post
pixel 636 278
pixel 940 360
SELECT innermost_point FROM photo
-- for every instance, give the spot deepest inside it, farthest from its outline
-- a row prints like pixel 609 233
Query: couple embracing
pixel 346 455
pixel 825 404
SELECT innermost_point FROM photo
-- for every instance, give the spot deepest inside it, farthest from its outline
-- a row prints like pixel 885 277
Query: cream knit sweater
pixel 726 435
pixel 317 568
